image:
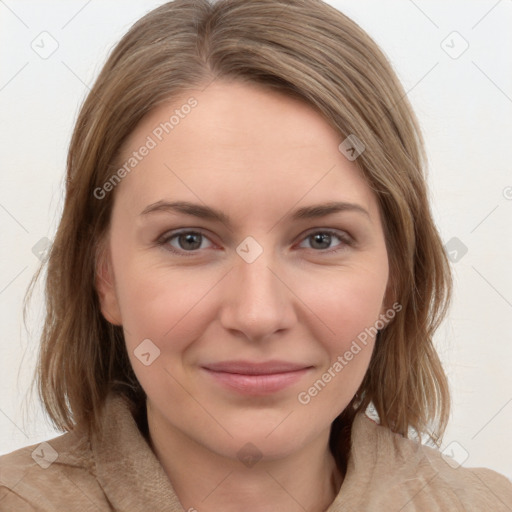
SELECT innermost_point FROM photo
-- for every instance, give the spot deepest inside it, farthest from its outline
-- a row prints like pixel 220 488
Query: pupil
pixel 189 239
pixel 322 238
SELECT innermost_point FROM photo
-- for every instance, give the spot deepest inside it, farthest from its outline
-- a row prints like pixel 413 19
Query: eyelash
pixel 345 239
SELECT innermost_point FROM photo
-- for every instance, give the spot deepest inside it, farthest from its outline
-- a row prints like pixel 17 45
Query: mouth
pixel 256 379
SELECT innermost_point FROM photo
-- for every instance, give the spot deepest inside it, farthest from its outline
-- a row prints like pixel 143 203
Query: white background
pixel 465 108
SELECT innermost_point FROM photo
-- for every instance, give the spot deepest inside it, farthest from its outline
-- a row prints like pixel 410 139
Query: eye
pixel 187 241
pixel 322 239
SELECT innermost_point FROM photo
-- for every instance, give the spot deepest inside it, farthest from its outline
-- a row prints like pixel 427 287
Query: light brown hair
pixel 305 48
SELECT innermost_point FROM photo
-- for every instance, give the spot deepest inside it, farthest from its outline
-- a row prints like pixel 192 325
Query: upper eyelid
pixel 341 234
pixel 171 234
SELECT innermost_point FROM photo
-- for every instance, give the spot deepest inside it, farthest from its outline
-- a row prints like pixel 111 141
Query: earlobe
pixel 105 286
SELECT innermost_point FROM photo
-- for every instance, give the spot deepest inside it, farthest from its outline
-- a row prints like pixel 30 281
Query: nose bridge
pixel 258 302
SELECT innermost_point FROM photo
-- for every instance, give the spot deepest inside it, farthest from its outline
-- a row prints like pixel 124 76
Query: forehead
pixel 239 142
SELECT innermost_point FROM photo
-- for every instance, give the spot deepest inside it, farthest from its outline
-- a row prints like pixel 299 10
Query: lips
pixel 256 368
pixel 254 378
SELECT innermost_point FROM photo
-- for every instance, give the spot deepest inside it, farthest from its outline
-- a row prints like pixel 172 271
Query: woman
pixel 246 262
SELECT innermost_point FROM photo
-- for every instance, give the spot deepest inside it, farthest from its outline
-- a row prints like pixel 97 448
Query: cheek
pixel 169 307
pixel 346 301
pixel 347 305
pixel 162 304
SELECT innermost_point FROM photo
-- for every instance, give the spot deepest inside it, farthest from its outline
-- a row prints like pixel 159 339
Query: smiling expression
pixel 244 234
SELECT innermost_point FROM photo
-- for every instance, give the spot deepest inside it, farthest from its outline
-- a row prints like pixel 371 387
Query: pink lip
pixel 256 378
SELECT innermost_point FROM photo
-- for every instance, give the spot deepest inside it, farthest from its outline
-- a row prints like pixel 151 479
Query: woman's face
pixel 262 284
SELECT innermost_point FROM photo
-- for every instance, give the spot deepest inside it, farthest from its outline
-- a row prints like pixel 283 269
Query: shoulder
pixel 476 488
pixel 425 475
pixel 50 474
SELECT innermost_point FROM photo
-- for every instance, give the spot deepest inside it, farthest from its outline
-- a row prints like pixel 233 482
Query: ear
pixel 105 286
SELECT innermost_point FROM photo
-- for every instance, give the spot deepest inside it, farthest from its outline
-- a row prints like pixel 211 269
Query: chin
pixel 272 443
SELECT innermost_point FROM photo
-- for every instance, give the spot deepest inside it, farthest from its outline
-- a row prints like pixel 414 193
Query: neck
pixel 207 481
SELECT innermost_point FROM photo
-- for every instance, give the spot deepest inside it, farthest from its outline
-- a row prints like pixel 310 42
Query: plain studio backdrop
pixel 454 61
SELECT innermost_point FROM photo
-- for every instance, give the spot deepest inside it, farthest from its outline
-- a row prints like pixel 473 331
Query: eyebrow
pixel 208 213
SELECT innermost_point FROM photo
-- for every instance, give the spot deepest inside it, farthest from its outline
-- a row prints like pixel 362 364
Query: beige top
pixel 119 472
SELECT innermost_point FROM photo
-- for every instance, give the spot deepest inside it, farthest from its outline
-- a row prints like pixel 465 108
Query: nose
pixel 258 301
